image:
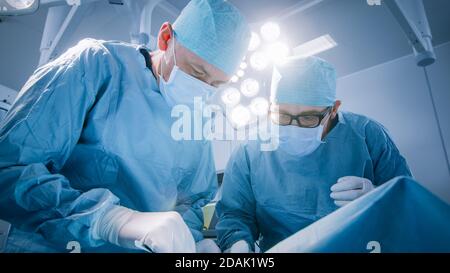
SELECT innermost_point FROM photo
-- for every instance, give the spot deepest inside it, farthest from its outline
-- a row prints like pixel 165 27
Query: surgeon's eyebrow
pixel 312 112
pixel 200 69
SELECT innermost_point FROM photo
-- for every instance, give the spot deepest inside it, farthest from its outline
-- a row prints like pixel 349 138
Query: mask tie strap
pixel 173 50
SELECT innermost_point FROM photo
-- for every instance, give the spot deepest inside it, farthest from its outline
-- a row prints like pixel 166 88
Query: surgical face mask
pixel 299 141
pixel 182 88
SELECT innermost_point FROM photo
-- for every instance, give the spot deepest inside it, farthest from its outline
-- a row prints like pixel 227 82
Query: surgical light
pixel 240 115
pixel 240 73
pixel 243 65
pixel 250 87
pixel 255 41
pixel 259 61
pixel 18 7
pixel 231 96
pixel 277 52
pixel 259 106
pixel 270 31
pixel 20 4
pixel 234 79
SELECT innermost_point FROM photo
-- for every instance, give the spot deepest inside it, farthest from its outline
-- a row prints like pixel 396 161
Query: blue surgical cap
pixel 307 81
pixel 214 30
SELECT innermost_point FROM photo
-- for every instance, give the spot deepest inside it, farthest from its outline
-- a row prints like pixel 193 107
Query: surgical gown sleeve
pixel 196 191
pixel 37 137
pixel 236 209
pixel 387 160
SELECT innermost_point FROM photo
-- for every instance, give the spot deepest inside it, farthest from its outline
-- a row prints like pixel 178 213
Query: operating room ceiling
pixel 366 35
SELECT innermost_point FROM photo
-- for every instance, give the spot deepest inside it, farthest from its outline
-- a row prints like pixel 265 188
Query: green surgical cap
pixel 216 31
pixel 307 81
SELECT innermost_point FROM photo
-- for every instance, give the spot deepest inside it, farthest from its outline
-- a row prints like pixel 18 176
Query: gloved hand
pixel 239 247
pixel 207 246
pixel 154 231
pixel 349 188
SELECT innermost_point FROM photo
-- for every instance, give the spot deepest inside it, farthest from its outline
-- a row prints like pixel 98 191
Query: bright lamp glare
pixel 259 106
pixel 20 4
pixel 255 41
pixel 240 73
pixel 250 87
pixel 231 96
pixel 278 52
pixel 259 60
pixel 270 31
pixel 240 115
pixel 234 79
pixel 243 65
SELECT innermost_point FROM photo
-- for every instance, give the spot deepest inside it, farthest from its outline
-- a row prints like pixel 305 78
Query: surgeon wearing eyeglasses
pixel 326 158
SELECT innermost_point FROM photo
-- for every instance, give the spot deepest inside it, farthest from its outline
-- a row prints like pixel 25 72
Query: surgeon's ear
pixel 336 106
pixel 164 36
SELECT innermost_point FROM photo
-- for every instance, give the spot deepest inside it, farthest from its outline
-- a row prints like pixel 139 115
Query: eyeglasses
pixel 303 120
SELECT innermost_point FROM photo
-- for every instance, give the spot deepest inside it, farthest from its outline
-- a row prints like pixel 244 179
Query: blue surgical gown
pixel 271 195
pixel 91 130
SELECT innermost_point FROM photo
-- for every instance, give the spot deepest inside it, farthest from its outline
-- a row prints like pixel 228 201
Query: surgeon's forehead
pixel 296 109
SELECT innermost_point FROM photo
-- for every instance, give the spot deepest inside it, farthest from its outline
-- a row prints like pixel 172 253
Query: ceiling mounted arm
pixel 411 16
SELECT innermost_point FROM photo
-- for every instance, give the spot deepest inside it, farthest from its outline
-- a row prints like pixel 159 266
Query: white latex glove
pixel 207 246
pixel 239 247
pixel 161 232
pixel 349 188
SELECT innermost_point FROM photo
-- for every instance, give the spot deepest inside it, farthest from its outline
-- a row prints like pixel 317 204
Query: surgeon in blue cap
pixel 86 151
pixel 326 158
